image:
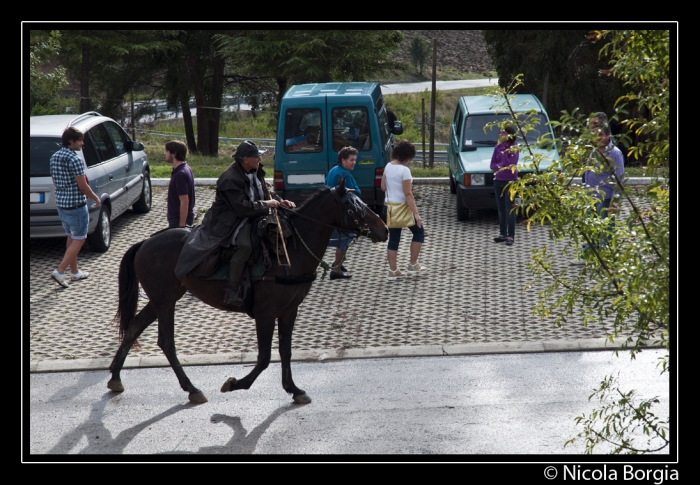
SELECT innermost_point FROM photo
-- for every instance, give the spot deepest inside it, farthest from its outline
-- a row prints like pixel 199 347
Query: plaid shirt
pixel 65 165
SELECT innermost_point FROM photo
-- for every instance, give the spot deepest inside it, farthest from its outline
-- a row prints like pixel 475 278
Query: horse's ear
pixel 340 188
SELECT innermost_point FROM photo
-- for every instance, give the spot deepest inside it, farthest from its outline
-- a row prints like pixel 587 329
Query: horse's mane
pixel 357 204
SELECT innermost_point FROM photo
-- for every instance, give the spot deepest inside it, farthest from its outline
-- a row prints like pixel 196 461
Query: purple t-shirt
pixel 181 183
pixel 505 155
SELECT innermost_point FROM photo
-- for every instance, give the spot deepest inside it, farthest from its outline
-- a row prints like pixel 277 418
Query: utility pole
pixel 432 105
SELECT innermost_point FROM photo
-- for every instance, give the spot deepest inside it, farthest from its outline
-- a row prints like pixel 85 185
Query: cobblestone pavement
pixel 475 291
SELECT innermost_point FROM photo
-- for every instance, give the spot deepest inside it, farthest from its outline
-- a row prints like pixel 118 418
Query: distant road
pixel 164 113
pixel 440 85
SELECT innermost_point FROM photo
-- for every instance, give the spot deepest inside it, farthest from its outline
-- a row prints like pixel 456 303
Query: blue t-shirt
pixel 336 172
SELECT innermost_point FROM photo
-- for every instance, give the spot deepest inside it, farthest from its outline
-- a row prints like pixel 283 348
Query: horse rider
pixel 241 196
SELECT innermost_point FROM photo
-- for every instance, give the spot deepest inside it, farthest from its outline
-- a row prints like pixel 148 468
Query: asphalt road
pixel 453 408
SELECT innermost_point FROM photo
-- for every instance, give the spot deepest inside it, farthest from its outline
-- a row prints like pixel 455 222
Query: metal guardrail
pixel 438 156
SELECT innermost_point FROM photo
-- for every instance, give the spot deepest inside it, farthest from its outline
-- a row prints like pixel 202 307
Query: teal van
pixel 472 144
pixel 316 121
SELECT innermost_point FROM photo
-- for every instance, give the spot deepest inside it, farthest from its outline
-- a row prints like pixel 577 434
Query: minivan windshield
pixel 40 151
pixel 474 135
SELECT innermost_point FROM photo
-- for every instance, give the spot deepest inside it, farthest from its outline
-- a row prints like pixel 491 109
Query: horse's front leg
pixel 166 341
pixel 136 326
pixel 265 326
pixel 286 326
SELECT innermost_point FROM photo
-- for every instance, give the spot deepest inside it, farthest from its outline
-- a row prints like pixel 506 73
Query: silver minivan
pixel 116 168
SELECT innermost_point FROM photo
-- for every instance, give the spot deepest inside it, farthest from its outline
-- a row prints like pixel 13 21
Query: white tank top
pixel 395 175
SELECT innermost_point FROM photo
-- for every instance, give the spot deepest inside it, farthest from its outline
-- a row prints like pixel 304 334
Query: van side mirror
pixel 397 129
pixel 134 146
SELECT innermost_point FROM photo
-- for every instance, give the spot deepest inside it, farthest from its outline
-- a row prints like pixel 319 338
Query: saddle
pixel 265 240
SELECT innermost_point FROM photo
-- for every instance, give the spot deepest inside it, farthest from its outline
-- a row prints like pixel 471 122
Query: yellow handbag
pixel 399 215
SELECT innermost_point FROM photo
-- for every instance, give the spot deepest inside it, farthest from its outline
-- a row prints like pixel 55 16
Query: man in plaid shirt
pixel 68 174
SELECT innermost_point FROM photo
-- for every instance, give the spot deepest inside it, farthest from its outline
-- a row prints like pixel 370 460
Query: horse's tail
pixel 128 290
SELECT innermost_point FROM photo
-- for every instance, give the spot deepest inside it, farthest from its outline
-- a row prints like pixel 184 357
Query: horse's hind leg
pixel 137 325
pixel 286 326
pixel 265 326
pixel 166 341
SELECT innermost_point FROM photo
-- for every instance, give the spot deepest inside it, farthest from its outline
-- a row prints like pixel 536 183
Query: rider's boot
pixel 233 297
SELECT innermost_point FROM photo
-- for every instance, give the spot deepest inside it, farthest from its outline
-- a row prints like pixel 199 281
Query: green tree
pixel 561 67
pixel 290 57
pixel 420 52
pixel 625 281
pixel 45 83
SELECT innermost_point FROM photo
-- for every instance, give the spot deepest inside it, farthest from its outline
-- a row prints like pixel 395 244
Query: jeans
pixel 75 222
pixel 506 216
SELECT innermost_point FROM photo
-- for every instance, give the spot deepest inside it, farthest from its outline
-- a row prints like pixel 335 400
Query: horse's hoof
pixel 228 385
pixel 302 399
pixel 115 386
pixel 197 397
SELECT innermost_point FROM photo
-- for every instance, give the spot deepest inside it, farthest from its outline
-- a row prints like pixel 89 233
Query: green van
pixel 316 121
pixel 472 144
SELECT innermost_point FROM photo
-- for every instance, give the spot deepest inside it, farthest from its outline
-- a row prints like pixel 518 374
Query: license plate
pixel 36 197
pixel 314 178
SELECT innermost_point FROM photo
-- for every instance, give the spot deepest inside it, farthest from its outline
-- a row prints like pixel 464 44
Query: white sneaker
pixel 80 275
pixel 415 268
pixel 60 278
pixel 395 275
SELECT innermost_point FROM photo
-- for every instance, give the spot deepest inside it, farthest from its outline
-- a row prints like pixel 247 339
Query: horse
pixel 152 262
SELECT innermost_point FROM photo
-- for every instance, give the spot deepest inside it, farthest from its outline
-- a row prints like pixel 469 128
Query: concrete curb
pixel 423 181
pixel 577 345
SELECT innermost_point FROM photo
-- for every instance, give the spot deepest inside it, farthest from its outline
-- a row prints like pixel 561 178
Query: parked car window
pixel 103 142
pixel 302 130
pixel 89 151
pixel 40 151
pixel 351 128
pixel 118 137
pixel 474 134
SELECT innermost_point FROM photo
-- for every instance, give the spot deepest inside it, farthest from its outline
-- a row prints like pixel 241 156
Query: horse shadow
pixel 242 442
pixel 99 438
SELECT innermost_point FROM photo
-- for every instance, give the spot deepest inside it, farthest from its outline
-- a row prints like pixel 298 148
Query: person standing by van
pixel 181 188
pixel 397 183
pixel 504 164
pixel 68 175
pixel 347 158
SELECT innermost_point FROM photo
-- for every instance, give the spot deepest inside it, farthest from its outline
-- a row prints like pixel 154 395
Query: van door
pixel 302 149
pixel 354 124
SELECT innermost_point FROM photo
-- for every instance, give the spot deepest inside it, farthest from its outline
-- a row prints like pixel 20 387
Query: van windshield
pixel 474 136
pixel 302 130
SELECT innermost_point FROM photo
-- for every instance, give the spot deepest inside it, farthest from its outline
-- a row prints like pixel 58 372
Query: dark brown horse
pixel 152 263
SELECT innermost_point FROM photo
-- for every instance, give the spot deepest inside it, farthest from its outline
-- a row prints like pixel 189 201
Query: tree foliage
pixel 563 68
pixel 290 57
pixel 625 281
pixel 419 49
pixel 45 82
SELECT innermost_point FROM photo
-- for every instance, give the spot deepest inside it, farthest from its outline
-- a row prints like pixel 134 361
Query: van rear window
pixel 302 130
pixel 351 128
pixel 40 151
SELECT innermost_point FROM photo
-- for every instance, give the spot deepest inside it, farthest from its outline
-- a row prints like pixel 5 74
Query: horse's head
pixel 356 216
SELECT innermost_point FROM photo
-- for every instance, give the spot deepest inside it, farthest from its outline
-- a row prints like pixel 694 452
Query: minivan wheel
pixel 462 212
pixel 143 205
pixel 453 185
pixel 101 238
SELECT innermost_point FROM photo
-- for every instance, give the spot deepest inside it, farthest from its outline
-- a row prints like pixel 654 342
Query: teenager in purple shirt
pixel 181 188
pixel 504 164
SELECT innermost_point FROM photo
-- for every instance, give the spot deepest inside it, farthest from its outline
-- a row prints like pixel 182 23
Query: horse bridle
pixel 363 230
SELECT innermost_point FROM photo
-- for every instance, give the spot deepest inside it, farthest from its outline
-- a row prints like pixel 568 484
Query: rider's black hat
pixel 248 149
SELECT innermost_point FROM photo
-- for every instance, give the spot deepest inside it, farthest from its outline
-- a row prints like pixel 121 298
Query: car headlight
pixel 478 179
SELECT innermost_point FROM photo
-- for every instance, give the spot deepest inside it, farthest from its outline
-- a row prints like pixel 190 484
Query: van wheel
pixel 101 238
pixel 453 184
pixel 143 205
pixel 462 212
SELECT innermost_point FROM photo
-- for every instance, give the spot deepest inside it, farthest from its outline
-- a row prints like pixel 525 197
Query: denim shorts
pixel 75 221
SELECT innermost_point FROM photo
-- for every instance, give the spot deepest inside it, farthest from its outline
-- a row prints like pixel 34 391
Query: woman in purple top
pixel 504 163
